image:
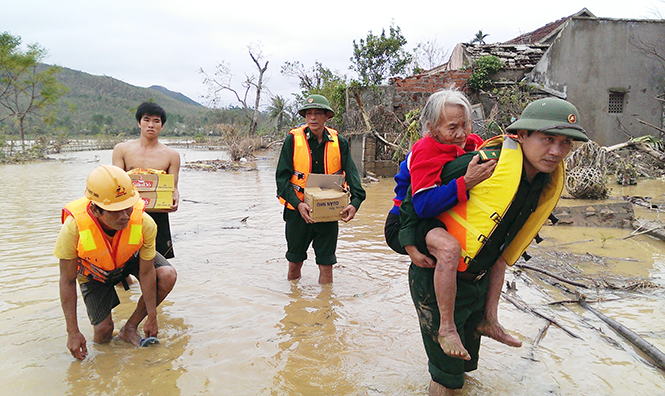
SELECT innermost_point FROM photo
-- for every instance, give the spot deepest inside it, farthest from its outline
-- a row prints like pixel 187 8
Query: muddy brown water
pixel 235 326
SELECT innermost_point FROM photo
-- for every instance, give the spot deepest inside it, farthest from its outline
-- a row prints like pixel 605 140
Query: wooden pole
pixel 643 345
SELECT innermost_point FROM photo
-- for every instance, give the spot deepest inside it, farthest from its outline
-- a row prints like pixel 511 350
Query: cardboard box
pixel 324 195
pixel 156 201
pixel 156 190
pixel 153 182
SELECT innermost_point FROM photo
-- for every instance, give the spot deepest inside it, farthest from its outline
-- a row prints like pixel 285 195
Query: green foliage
pixel 479 38
pixel 650 141
pixel 604 239
pixel 481 71
pixel 278 111
pixel 510 102
pixel 378 57
pixel 27 95
pixel 411 135
pixel 318 80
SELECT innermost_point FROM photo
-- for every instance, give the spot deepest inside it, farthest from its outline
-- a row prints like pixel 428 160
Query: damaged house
pixel 613 70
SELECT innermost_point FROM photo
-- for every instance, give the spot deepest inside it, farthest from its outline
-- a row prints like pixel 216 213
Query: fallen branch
pixel 575 242
pixel 643 345
pixel 539 337
pixel 619 146
pixel 656 154
pixel 368 125
pixel 661 130
pixel 525 308
pixel 555 276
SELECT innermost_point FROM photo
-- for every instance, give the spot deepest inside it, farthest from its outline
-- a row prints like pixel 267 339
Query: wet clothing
pixel 323 235
pixel 299 235
pixel 469 312
pixel 101 298
pixel 164 245
pixel 470 297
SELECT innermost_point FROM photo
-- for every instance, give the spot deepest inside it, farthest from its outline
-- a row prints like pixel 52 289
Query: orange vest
pixel 98 259
pixel 302 161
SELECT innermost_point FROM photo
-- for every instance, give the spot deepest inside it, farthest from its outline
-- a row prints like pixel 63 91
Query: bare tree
pixel 221 81
pixel 428 55
pixel 653 49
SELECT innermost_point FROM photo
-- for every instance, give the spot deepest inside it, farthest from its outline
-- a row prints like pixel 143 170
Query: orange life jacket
pixel 473 221
pixel 302 161
pixel 98 259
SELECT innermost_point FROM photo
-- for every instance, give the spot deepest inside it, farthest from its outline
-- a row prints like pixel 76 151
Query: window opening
pixel 615 104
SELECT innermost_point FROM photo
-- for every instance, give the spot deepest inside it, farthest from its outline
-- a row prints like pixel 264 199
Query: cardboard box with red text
pixel 324 195
pixel 156 190
pixel 157 200
pixel 153 182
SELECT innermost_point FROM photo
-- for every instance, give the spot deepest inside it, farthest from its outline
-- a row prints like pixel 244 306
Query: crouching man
pixel 106 236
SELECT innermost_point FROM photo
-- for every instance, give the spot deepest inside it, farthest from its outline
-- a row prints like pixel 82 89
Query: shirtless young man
pixel 147 152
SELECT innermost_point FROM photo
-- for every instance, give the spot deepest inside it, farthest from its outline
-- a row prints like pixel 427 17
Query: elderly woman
pixel 446 127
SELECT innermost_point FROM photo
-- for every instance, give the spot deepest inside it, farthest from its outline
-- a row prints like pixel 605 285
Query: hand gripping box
pixel 325 196
pixel 156 190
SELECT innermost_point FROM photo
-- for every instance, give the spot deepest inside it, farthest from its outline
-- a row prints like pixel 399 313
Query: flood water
pixel 234 325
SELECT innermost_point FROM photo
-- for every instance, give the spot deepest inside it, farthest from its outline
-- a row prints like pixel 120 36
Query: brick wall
pixel 411 92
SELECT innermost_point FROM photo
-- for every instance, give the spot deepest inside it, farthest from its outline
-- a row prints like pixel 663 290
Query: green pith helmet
pixel 316 102
pixel 551 115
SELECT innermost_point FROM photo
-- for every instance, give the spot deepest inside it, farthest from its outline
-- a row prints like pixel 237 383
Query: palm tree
pixel 480 38
pixel 278 110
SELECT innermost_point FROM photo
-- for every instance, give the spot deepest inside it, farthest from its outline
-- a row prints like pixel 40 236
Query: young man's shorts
pixel 163 243
pixel 100 298
pixel 299 235
pixel 469 311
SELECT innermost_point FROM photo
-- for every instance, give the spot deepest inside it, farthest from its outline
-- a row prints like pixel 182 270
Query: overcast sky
pixel 166 42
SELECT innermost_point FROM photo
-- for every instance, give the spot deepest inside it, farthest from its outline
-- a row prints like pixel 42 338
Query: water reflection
pixel 312 348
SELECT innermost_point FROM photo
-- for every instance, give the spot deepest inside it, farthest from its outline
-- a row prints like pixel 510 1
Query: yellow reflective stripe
pixel 470 228
pixel 86 240
pixel 135 234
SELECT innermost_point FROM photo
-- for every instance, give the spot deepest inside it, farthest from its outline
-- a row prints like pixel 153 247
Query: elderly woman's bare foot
pixel 451 344
pixel 495 331
pixel 130 335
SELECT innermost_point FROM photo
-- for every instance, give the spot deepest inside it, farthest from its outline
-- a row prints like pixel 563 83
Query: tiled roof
pixel 548 32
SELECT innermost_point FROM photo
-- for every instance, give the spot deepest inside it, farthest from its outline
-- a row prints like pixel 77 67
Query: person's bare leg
pixel 490 326
pixel 325 274
pixel 166 278
pixel 103 331
pixel 294 270
pixel 436 389
pixel 447 252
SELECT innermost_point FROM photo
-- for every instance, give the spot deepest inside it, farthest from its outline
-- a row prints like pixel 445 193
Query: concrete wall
pixel 357 148
pixel 592 57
